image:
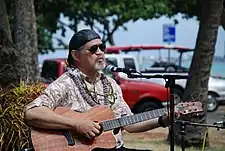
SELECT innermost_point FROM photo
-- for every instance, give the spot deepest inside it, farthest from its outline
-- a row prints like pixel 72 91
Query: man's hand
pixel 87 128
pixel 166 119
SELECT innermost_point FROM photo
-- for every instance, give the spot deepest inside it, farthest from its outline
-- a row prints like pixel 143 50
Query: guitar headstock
pixel 185 108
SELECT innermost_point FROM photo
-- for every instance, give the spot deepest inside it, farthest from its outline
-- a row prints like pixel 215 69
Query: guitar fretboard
pixel 128 120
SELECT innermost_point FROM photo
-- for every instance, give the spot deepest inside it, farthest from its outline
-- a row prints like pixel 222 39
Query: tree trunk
pixel 222 22
pixel 197 84
pixel 9 58
pixel 111 39
pixel 8 63
pixel 26 40
pixel 4 23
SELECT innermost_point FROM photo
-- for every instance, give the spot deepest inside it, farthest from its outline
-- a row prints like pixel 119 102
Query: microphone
pixel 117 69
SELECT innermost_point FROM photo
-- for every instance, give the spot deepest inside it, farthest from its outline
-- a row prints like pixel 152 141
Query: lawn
pixel 156 140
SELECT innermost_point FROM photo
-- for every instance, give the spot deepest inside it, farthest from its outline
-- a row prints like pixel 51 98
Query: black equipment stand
pixel 183 126
pixel 170 83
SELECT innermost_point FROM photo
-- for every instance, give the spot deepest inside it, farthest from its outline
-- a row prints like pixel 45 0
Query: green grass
pixel 155 140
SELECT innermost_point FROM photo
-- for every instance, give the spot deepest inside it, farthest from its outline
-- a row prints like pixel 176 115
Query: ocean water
pixel 218 68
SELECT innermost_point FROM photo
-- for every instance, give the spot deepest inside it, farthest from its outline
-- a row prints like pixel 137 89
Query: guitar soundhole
pixel 69 138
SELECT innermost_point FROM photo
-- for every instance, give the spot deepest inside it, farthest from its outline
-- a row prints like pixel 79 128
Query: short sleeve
pixel 53 95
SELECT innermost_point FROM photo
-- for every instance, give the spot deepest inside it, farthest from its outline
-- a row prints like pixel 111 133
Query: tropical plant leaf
pixel 14 133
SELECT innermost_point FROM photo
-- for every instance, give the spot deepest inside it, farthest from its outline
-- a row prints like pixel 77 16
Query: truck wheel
pixel 170 69
pixel 147 106
pixel 212 104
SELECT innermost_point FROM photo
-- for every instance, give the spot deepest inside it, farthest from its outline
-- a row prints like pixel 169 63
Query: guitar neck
pixel 128 120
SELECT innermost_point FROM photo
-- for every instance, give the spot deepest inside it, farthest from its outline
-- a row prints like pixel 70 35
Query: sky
pixel 149 32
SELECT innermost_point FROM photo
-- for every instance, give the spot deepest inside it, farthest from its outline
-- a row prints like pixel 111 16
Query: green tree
pixel 104 16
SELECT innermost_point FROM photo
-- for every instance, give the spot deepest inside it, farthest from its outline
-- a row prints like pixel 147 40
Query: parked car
pixel 216 86
pixel 168 66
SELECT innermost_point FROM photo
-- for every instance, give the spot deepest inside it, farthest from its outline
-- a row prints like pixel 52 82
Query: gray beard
pixel 99 66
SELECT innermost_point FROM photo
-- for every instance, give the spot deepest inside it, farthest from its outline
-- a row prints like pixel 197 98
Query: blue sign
pixel 169 34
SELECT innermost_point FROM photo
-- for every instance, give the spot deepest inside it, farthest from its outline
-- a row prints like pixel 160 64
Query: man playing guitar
pixel 81 88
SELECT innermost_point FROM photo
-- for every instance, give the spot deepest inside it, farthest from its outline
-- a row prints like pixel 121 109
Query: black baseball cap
pixel 78 40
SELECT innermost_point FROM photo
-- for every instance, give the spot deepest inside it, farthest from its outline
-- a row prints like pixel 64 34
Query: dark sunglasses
pixel 94 48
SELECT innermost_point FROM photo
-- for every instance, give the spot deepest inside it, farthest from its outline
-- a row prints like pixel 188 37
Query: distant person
pixel 81 88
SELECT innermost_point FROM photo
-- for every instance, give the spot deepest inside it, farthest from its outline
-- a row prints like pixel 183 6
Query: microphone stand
pixel 170 83
pixel 183 126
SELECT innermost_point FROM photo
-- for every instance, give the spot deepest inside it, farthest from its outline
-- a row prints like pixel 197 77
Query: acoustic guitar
pixel 58 140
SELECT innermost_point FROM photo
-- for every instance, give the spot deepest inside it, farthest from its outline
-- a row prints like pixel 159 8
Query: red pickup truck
pixel 140 96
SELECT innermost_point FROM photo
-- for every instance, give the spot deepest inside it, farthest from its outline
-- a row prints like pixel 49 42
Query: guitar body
pixel 52 140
